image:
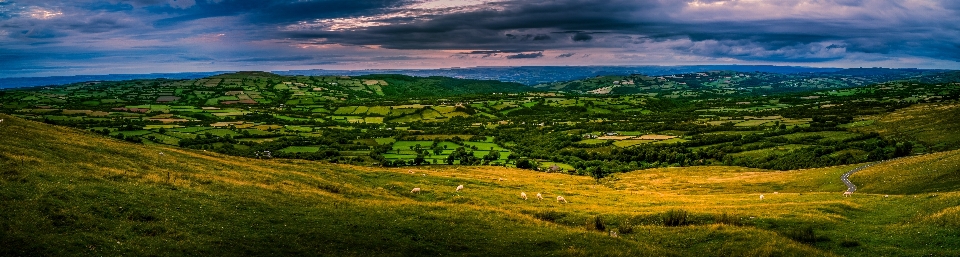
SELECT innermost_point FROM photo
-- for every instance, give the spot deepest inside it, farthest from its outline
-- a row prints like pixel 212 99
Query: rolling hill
pixel 69 192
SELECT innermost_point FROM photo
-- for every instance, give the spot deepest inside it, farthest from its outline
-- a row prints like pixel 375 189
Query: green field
pixel 301 149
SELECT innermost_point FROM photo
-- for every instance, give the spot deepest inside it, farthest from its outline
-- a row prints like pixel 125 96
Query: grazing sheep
pixel 539 196
pixel 460 187
pixel 416 190
pixel 761 197
pixel 1 120
pixel 523 195
pixel 847 194
pixel 775 193
pixel 410 171
pixel 885 196
pixel 561 199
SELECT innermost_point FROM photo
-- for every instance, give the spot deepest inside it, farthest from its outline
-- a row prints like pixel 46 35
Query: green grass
pixel 405 145
pixel 387 140
pixel 484 146
pixel 777 150
pixel 630 142
pixel 933 125
pixel 592 141
pixel 67 192
pixel 827 135
pixel 300 149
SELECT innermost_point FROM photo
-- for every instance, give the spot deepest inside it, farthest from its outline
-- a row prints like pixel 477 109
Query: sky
pixel 55 37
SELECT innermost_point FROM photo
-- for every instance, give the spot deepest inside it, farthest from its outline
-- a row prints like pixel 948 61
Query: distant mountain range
pixel 527 75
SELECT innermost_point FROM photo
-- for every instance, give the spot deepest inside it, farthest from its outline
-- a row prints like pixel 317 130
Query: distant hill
pixel 527 75
pixel 739 81
pixel 61 80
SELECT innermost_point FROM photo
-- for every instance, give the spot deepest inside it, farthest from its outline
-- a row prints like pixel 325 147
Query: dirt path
pixel 845 178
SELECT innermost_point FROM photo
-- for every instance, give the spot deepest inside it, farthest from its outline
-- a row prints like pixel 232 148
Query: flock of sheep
pixel 523 195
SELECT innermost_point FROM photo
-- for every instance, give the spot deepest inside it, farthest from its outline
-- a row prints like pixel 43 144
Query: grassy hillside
pixel 929 173
pixel 934 126
pixel 407 86
pixel 67 192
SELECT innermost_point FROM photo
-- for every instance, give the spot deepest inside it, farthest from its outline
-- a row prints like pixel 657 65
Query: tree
pixel 492 156
pixel 418 160
pixel 524 164
pixel 597 172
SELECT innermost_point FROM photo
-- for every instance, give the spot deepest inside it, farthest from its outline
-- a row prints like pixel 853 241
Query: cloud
pixel 476 32
pixel 276 59
pixel 581 37
pixel 525 55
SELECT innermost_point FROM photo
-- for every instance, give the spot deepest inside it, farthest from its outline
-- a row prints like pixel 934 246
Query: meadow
pixel 71 192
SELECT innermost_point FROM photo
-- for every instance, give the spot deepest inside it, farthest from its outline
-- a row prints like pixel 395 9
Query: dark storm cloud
pixel 275 12
pixel 581 37
pixel 273 31
pixel 771 38
pixel 276 59
pixel 525 55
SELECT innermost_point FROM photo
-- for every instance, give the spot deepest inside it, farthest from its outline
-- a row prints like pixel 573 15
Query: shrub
pixel 598 224
pixel 849 243
pixel 727 219
pixel 551 216
pixel 675 218
pixel 805 235
pixel 625 228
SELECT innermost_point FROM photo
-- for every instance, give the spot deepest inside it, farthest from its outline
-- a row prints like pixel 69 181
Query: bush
pixel 849 243
pixel 551 216
pixel 625 228
pixel 805 235
pixel 597 224
pixel 675 218
pixel 727 219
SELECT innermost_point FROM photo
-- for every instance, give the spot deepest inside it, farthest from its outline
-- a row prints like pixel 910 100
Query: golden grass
pixel 937 172
pixel 490 199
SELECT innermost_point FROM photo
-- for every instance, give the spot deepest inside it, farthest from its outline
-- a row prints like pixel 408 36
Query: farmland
pixel 219 204
pixel 636 122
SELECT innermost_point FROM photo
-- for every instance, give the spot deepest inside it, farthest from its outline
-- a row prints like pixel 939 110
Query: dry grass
pixel 341 207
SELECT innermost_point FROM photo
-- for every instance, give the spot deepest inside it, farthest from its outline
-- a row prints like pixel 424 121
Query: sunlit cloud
pixel 407 14
pixel 42 13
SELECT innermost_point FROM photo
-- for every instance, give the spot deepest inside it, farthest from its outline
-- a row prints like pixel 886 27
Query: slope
pixel 67 192
pixel 935 126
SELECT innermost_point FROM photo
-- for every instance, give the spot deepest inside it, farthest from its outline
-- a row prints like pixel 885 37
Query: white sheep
pixel 847 194
pixel 523 195
pixel 885 196
pixel 761 197
pixel 416 190
pixel 775 193
pixel 460 187
pixel 1 120
pixel 539 196
pixel 561 199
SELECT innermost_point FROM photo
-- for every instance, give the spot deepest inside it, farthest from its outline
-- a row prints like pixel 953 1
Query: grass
pixel 933 125
pixel 630 142
pixel 592 141
pixel 67 192
pixel 300 149
pixel 929 173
